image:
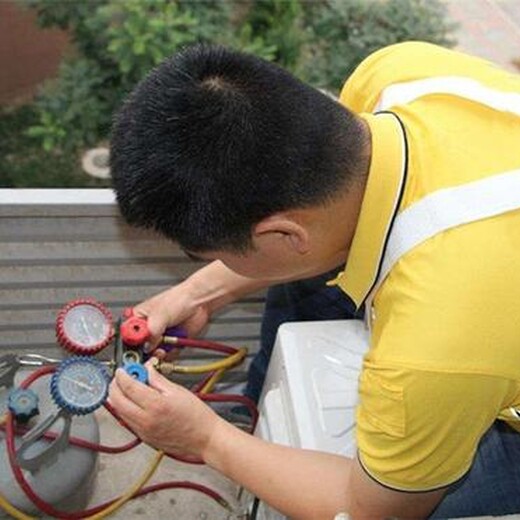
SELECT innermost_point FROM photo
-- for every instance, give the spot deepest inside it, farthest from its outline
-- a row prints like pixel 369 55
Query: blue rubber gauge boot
pixel 80 385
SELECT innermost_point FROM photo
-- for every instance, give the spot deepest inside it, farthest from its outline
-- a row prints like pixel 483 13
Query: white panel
pixel 315 370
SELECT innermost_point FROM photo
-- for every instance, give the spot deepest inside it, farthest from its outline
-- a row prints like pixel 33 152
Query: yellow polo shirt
pixel 444 359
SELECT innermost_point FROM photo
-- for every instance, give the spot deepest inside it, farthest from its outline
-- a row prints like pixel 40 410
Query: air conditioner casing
pixel 310 393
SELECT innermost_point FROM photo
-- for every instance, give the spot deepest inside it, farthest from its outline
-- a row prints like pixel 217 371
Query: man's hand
pixel 165 415
pixel 191 303
pixel 175 306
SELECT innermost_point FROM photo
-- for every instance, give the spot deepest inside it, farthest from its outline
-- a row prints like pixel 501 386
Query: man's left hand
pixel 163 414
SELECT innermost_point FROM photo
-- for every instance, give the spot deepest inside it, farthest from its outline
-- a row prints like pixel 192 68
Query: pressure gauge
pixel 84 327
pixel 80 385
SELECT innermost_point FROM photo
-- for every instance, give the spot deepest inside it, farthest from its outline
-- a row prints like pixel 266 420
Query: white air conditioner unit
pixel 311 390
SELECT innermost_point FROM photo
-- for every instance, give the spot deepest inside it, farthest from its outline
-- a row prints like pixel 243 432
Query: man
pixel 414 179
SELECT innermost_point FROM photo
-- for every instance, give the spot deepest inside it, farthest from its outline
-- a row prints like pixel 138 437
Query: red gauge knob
pixel 84 327
pixel 134 330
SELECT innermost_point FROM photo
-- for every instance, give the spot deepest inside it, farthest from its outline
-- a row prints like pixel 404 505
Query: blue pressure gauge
pixel 80 385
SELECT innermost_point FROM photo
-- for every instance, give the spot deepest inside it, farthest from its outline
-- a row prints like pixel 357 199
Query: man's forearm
pixel 215 285
pixel 302 484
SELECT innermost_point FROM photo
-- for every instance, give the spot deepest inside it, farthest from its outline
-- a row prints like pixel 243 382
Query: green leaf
pixel 36 131
pixel 139 47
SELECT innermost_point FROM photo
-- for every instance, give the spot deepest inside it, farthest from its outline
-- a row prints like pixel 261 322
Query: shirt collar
pixel 383 193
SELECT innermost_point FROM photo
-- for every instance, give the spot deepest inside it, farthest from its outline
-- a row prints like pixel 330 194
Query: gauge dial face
pixel 81 385
pixel 84 327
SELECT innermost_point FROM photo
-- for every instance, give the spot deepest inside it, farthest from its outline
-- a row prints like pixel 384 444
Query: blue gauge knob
pixel 137 371
pixel 23 404
pixel 80 385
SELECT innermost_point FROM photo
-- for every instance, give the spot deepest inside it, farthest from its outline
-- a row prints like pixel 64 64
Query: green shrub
pixel 116 43
pixel 347 31
pixel 23 162
pixel 76 109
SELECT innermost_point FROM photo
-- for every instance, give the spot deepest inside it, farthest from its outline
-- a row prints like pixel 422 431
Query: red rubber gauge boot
pixel 84 327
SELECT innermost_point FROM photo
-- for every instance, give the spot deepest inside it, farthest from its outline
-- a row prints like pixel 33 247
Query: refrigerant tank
pixel 66 480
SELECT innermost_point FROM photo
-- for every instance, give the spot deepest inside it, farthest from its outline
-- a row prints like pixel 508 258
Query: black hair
pixel 213 140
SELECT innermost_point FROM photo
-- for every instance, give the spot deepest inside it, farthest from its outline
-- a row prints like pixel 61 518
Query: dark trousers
pixel 304 300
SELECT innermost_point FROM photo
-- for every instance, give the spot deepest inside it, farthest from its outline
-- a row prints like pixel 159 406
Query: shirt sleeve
pixel 404 62
pixel 418 430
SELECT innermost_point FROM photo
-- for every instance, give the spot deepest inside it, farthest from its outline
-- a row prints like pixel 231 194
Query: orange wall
pixel 28 54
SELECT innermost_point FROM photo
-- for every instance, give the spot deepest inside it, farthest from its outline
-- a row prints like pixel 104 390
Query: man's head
pixel 214 141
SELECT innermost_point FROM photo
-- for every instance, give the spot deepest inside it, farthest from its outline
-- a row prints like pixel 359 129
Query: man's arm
pixel 192 302
pixel 306 484
pixel 302 484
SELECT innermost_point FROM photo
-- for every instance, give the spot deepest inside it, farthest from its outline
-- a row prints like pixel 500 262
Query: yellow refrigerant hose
pixel 167 368
pixel 132 491
pixel 5 504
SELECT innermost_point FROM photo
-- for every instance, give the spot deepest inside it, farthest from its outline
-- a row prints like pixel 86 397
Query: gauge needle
pixel 79 383
pixel 85 326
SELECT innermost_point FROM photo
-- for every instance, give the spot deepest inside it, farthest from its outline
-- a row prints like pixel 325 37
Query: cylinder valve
pixel 23 404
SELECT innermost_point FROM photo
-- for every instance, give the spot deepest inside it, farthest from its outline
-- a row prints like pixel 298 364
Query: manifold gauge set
pixel 79 385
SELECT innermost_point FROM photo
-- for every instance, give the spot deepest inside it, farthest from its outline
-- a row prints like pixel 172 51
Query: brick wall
pixel 28 54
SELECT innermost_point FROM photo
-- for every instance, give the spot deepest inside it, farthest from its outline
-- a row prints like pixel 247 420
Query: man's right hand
pixel 191 303
pixel 172 307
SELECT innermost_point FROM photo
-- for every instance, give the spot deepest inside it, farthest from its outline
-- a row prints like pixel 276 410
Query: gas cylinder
pixel 64 479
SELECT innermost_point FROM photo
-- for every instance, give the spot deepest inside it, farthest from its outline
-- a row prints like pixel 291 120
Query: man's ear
pixel 285 227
